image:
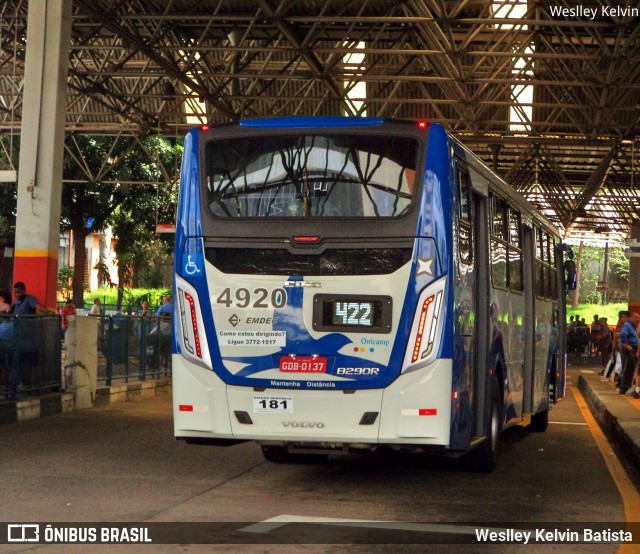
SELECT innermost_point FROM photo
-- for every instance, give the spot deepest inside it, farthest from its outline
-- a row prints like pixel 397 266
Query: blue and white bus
pixel 350 283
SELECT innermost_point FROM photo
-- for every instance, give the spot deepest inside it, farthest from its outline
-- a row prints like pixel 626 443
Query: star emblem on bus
pixel 425 266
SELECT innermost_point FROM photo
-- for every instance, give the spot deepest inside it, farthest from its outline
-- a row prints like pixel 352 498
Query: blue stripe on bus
pixel 437 171
pixel 310 122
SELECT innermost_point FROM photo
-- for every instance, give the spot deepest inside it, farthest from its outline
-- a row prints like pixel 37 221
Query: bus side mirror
pixel 570 275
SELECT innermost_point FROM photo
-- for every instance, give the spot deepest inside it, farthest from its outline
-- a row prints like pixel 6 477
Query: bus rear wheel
pixel 484 457
pixel 276 454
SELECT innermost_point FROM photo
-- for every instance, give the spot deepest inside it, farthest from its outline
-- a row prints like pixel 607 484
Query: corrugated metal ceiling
pixel 143 66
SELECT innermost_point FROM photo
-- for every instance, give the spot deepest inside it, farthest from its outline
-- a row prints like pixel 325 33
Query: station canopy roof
pixel 547 93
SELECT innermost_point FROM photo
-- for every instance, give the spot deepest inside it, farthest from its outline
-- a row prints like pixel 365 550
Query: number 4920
pixel 258 298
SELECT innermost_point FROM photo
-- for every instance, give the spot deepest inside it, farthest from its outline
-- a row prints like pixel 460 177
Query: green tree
pixel 102 176
pixel 9 153
pixel 592 270
pixel 8 197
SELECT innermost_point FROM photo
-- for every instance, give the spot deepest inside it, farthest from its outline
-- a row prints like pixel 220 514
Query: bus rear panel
pixel 317 288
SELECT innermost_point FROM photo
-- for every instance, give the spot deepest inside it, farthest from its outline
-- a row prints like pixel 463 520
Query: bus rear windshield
pixel 328 175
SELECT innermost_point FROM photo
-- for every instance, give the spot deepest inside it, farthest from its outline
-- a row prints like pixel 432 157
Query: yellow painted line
pixel 628 492
pixel 34 254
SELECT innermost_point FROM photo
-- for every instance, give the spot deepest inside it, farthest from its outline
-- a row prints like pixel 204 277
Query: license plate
pixel 273 404
pixel 303 364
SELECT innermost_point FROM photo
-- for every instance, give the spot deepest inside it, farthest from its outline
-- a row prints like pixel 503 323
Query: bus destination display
pixel 352 313
pixel 363 313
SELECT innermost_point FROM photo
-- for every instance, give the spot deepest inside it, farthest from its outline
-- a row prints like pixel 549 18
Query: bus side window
pixel 465 236
pixel 498 243
pixel 539 269
pixel 515 250
pixel 546 283
pixel 552 269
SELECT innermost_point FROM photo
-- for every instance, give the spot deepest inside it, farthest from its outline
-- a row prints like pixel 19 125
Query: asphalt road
pixel 121 464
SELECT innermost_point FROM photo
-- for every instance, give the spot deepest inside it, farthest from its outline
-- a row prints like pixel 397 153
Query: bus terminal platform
pixel 618 415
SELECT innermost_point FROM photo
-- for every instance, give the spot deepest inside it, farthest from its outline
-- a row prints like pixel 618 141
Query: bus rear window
pixel 311 176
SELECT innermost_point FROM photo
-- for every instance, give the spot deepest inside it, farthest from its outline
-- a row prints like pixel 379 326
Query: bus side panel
pixel 436 202
pixel 542 357
pixel 516 355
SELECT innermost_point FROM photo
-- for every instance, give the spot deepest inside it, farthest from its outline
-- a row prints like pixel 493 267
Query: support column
pixel 634 273
pixel 42 148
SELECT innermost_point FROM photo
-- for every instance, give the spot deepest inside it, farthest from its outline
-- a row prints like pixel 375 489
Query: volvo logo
pixel 304 424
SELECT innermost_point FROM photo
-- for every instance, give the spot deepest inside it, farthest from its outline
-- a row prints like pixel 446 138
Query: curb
pixel 24 409
pixel 613 414
pixel 131 392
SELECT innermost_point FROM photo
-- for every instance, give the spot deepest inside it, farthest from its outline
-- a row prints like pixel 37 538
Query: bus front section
pixel 310 285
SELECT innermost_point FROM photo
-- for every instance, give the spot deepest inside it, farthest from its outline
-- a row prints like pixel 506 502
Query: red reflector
pixel 204 128
pixel 185 408
pixel 306 239
pixel 427 411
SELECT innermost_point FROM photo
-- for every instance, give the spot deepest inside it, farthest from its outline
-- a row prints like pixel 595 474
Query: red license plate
pixel 303 364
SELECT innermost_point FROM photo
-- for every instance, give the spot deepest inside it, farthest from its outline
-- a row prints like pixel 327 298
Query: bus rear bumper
pixel 414 409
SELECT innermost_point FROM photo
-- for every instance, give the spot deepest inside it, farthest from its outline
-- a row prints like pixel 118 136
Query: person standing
pixel 605 343
pixel 166 309
pixel 68 311
pixel 629 349
pixel 594 335
pixel 95 309
pixel 616 361
pixel 5 302
pixel 144 312
pixel 6 325
pixel 25 304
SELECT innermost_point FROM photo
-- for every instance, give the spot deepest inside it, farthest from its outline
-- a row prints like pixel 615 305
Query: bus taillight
pixel 192 339
pixel 194 324
pixel 426 328
pixel 423 318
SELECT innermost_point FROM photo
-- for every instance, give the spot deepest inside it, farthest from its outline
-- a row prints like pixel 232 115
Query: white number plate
pixel 273 404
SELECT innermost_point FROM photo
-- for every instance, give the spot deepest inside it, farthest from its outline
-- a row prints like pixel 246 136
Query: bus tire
pixel 483 458
pixel 539 422
pixel 276 454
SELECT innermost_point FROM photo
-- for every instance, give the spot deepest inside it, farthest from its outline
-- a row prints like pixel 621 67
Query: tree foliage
pixel 9 153
pixel 102 176
pixel 592 271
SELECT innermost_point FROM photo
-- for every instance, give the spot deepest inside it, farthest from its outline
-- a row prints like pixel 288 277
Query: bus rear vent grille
pixel 364 261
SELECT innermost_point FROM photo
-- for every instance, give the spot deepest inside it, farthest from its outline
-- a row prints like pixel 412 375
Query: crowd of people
pixel 617 348
pixel 27 304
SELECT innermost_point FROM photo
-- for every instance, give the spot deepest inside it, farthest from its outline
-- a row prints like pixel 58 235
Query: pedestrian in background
pixel 144 312
pixel 628 348
pixel 66 313
pixel 95 309
pixel 5 302
pixel 25 304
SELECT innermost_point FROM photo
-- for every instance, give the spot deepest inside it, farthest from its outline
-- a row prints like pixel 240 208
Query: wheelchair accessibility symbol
pixel 191 268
